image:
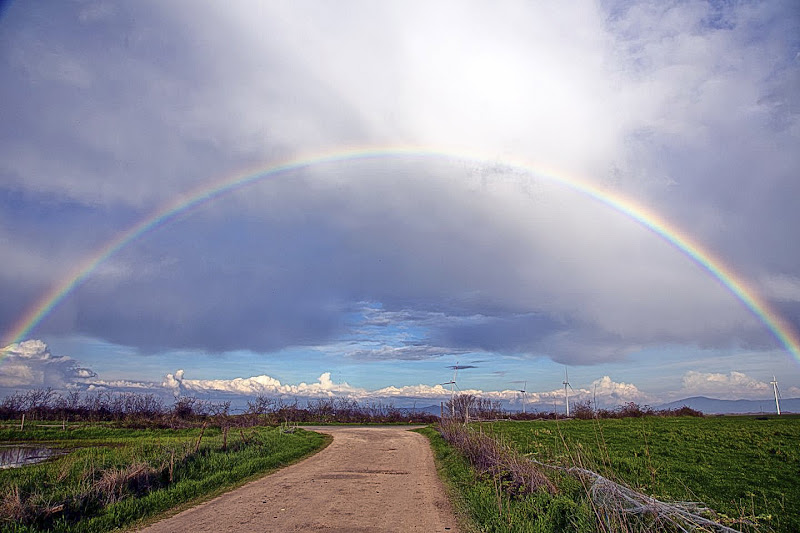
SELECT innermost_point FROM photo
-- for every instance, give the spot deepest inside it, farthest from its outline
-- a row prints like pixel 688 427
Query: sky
pixel 349 199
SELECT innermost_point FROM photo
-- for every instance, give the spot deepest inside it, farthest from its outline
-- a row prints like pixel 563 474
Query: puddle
pixel 16 456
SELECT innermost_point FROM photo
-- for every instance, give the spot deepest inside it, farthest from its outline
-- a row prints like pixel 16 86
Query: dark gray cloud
pixel 282 264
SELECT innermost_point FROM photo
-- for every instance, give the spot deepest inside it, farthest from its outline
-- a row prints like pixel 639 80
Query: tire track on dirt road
pixel 377 479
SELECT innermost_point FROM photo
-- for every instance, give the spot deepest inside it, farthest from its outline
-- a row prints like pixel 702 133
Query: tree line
pixel 468 407
pixel 147 409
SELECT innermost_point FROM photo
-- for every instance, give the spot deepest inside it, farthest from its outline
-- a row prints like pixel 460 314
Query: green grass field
pixel 742 467
pixel 114 477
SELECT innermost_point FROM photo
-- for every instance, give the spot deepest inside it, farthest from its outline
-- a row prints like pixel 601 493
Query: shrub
pixel 583 410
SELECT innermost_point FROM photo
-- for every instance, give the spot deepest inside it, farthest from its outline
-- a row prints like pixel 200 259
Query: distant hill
pixel 712 406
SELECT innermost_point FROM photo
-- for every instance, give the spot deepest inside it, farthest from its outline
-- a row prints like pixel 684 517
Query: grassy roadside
pixel 483 505
pixel 116 477
pixel 455 473
pixel 744 468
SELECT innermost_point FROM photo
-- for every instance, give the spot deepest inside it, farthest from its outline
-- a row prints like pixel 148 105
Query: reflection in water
pixel 15 456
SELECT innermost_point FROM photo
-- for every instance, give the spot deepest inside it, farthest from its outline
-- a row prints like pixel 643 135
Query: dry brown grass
pixel 515 474
pixel 16 509
pixel 116 483
pixel 12 506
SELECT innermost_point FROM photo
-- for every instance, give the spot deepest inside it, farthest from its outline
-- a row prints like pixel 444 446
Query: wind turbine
pixel 567 386
pixel 523 392
pixel 453 385
pixel 774 384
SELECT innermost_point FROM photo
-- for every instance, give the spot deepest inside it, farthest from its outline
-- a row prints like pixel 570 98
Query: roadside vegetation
pixel 126 458
pixel 122 458
pixel 743 467
pixel 111 476
pixel 490 500
pixel 626 473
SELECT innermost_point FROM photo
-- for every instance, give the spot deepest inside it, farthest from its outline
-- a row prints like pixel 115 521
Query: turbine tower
pixel 453 386
pixel 774 384
pixel 523 392
pixel 567 386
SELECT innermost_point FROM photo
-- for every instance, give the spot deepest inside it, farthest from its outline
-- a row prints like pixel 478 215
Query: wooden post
pixel 22 424
pixel 197 444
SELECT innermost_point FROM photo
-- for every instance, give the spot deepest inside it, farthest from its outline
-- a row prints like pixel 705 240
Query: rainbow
pixel 208 192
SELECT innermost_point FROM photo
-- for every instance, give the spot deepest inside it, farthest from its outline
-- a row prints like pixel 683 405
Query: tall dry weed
pixel 12 506
pixel 15 508
pixel 116 483
pixel 515 474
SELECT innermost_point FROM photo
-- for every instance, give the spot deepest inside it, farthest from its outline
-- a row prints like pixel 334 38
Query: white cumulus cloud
pixel 605 391
pixel 30 364
pixel 608 393
pixel 263 384
pixel 727 386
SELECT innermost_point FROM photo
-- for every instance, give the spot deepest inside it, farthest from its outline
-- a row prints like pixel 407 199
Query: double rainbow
pixel 207 193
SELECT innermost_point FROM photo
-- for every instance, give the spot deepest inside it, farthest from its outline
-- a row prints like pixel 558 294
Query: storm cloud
pixel 689 108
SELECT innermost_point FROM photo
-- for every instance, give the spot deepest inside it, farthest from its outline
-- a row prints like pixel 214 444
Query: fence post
pixel 22 424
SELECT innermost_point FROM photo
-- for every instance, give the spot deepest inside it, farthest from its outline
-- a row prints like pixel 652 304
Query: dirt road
pixel 367 479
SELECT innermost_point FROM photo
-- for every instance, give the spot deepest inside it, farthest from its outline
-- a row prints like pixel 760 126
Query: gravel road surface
pixel 376 479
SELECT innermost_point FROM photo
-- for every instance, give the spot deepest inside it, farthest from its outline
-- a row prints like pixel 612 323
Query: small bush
pixel 681 411
pixel 583 410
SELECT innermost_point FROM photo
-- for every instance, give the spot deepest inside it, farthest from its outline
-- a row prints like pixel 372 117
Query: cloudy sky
pixel 463 244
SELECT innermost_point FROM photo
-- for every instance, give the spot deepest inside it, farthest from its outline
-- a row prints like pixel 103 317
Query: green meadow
pixel 746 469
pixel 111 477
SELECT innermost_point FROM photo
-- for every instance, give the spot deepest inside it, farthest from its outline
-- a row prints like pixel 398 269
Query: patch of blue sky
pixel 104 357
pixel 370 328
pixel 290 365
pixel 661 369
